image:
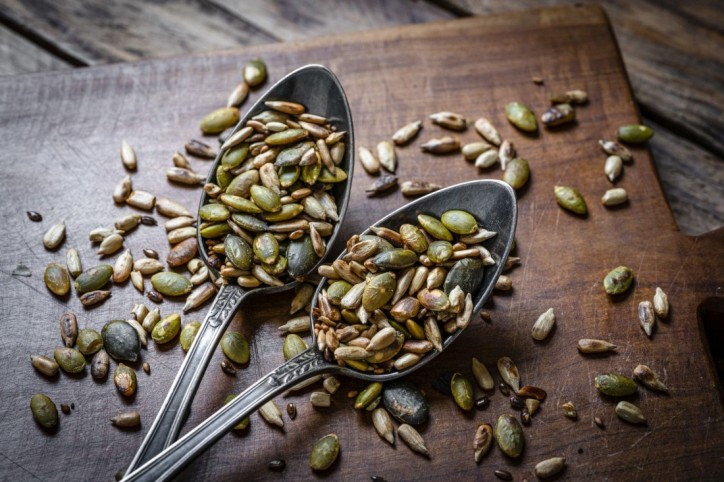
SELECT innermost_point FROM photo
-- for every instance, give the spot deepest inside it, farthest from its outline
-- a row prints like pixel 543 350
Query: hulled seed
pixel 634 133
pixel 647 317
pixel 588 345
pixel 630 413
pixel 406 133
pixel 487 131
pixel 413 439
pixel 45 413
pixel 615 385
pixel 54 236
pixel 543 325
pixel 614 197
pixel 449 120
pixel 324 452
pixel 661 303
pixel 509 436
pixel 569 198
pixel 521 117
pixel 618 280
pixel 549 467
pixel 649 378
pixel 569 410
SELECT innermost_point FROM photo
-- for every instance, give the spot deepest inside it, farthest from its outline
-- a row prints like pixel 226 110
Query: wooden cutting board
pixel 61 136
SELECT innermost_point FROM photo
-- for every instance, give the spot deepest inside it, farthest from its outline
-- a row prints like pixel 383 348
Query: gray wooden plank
pixel 123 30
pixel 20 56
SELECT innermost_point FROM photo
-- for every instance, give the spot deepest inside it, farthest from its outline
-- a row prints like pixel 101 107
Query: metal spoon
pixel 492 202
pixel 317 88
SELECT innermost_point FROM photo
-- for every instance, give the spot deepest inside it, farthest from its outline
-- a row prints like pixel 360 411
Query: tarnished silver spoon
pixel 317 88
pixel 491 202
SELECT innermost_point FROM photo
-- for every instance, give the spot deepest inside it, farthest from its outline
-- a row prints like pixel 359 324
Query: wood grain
pixel 68 143
pixel 19 56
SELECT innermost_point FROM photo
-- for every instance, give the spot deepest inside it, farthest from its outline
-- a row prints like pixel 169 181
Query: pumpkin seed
pixel 244 424
pixel 293 346
pixel 558 115
pixel 45 413
pixel 266 248
pixel 219 120
pixel 615 385
pixel 649 378
pixel 467 273
pixel 462 391
pixel 483 441
pixel 255 72
pixel 324 452
pixel 413 439
pixel 647 317
pixel 549 467
pixel 121 340
pixel 235 347
pixel 434 227
pixel 634 133
pixel 406 133
pixel 661 303
pixel 570 199
pixel 379 291
pixel 188 334
pixel 89 341
pixel 509 436
pixel 521 117
pixel 630 413
pixel 100 365
pixel 70 360
pixel 487 131
pixel 618 280
pixel 517 173
pixel 44 365
pixel 396 258
pixel 125 380
pixel 93 278
pixel 301 257
pixel 167 328
pixel 169 283
pixel 56 279
pixel 459 222
pixel 543 325
pixel 54 236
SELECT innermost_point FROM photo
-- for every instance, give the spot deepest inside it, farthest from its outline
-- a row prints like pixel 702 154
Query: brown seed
pixel 418 188
pixel 443 145
pixel 147 368
pixel 182 253
pixel 588 345
pixel 382 184
pixel 549 468
pixel 69 329
pixel 509 373
pixel 291 411
pixel 199 149
pixel 94 297
pixel 155 296
pixel 34 216
pixel 65 408
pixel 647 317
pixel 127 419
pixel 227 367
pixel 599 423
pixel 528 391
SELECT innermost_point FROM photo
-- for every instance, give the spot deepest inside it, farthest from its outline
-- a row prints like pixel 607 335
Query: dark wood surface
pixel 61 158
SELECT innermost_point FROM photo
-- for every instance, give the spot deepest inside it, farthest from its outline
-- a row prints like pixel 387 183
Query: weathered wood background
pixel 62 132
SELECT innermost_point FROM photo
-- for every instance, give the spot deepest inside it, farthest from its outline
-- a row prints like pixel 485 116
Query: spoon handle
pixel 174 458
pixel 175 407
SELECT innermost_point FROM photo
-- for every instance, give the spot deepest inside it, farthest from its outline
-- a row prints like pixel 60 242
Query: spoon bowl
pixel 317 88
pixel 491 202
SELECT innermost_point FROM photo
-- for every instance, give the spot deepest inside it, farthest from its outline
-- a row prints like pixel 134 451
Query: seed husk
pixel 122 190
pixel 369 161
pixel 406 133
pixel 442 145
pixel 413 439
pixel 383 425
pixel 70 360
pixel 418 188
pixel 93 278
pixel 235 347
pixel 56 279
pixel 521 117
pixel 387 156
pixel 630 413
pixel 167 328
pixel 44 365
pixel 72 261
pixel 618 280
pixel 558 115
pixel 128 156
pixel 503 475
pixel 634 133
pixel 529 391
pixel 543 325
pixel 169 283
pixel 483 441
pixel 613 167
pixel 570 199
pixel 661 303
pixel 324 452
pixel 449 120
pixel 482 375
pixel 487 131
pixel 549 467
pixel 54 236
pixel 45 413
pixel 509 373
pixel 588 345
pixel 614 197
pixel 384 183
pixel 89 341
pixel 125 380
pixel 141 200
pixel 462 391
pixel 569 410
pixel 100 365
pixel 649 378
pixel 517 173
pixel 188 334
pixel 509 436
pixel 34 216
pixel 615 149
pixel 615 385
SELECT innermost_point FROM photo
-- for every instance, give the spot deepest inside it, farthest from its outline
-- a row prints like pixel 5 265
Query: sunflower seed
pixel 184 176
pixel 94 297
pixel 487 131
pixel 647 317
pixel 271 414
pixel 615 149
pixel 503 475
pixel 509 373
pixel 147 266
pixel 199 296
pixel 504 283
pixel 649 378
pixel 54 236
pixel 123 266
pixel 487 159
pixel 442 145
pixel 449 120
pixel 127 419
pixel 417 188
pixel 111 244
pixel 543 325
pixel 578 97
pixel 122 190
pixel 587 345
pixel 44 365
pixel 178 222
pixel 558 115
pixel 483 441
pixel 386 155
pixel 549 467
pixel 34 216
pixel 569 410
pixel 238 95
pixel 382 184
pixel 482 375
pixel 172 209
pixel 137 280
pixel 407 133
pixel 413 439
pixel 369 161
pixel 199 149
pixel 613 167
pixel 614 197
pixel 630 413
pixel 506 153
pixel 141 200
pixel 383 425
pixel 128 156
pixel 661 303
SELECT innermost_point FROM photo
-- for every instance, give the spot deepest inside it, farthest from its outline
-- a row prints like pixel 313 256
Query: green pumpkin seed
pixel 69 359
pixel 255 72
pixel 459 222
pixel 293 346
pixel 435 300
pixel 121 340
pixel 339 175
pixel 413 238
pixel 337 290
pixel 288 175
pixel 379 291
pixel 382 244
pixel 618 280
pixel 634 133
pixel 570 199
pixel 615 385
pixel 462 391
pixel 214 212
pixel 223 177
pixel 93 279
pixel 219 119
pixel 630 413
pixel 238 252
pixel 434 227
pixel 301 257
pixel 467 273
pixel 396 258
pixel 265 198
pixel 56 279
pixel 166 329
pixel 235 347
pixel 44 410
pixel 241 184
pixel 245 422
pixel 368 395
pixel 125 380
pixel 292 155
pixel 238 203
pixel 439 251
pixel 278 267
pixel 288 136
pixel 324 452
pixel 169 283
pixel 188 334
pixel 89 341
pixel 509 436
pixel 287 212
pixel 249 222
pixel 215 230
pixel 521 117
pixel 310 173
pixel 517 173
pixel 234 157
